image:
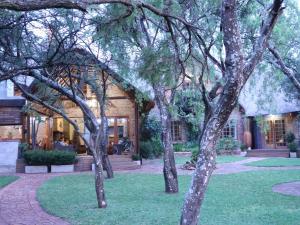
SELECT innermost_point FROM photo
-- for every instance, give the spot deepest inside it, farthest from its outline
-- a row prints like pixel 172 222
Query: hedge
pixel 41 157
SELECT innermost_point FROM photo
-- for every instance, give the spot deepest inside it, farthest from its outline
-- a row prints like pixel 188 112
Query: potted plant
pixel 243 148
pixel 62 161
pixel 291 144
pixel 36 161
pixel 40 161
pixel 293 147
pixel 136 158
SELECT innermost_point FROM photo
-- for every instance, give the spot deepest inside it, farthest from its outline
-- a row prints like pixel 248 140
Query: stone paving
pixel 291 188
pixel 18 204
pixel 156 167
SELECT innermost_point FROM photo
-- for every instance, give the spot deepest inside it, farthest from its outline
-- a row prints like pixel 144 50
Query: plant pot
pixel 243 153
pixel 36 169
pixel 138 162
pixel 293 154
pixel 62 168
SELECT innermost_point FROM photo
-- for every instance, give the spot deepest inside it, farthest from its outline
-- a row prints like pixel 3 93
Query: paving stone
pixel 18 204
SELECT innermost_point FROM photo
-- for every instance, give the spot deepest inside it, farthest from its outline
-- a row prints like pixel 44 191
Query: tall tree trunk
pixel 169 170
pixel 99 185
pixel 107 165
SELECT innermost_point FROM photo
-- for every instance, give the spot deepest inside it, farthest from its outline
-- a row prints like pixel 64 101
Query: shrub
pixel 290 137
pixel 194 156
pixel 41 157
pixel 151 149
pixel 293 147
pixel 226 145
pixel 151 128
pixel 135 157
pixel 243 147
pixel 179 147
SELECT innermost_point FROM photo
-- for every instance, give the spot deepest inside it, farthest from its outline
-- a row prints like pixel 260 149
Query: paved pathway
pixel 18 204
pixel 156 167
pixel 291 188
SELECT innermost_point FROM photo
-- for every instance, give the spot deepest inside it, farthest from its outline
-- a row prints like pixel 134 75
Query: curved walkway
pixel 155 167
pixel 18 204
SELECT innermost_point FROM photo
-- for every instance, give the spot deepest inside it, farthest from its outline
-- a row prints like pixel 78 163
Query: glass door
pixel 275 136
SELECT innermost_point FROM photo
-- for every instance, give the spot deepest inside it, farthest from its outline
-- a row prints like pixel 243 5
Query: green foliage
pixel 243 147
pixel 194 156
pixel 226 145
pixel 290 137
pixel 179 147
pixel 41 157
pixel 151 148
pixel 292 146
pixel 190 109
pixel 185 147
pixel 135 157
pixel 151 128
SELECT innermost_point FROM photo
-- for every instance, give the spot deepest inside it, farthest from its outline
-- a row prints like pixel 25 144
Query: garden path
pixel 18 204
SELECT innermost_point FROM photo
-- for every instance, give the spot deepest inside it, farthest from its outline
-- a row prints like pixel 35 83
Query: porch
pixel 268 153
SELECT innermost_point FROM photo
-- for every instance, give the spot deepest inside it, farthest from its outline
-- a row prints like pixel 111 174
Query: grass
pixel 276 162
pixel 138 199
pixel 220 159
pixel 5 180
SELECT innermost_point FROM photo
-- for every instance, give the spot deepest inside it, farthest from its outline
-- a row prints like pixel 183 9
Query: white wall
pixel 8 156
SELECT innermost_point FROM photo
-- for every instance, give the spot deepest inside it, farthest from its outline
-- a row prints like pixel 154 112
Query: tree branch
pixel 285 69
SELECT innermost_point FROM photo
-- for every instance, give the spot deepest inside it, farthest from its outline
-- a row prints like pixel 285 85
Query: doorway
pixel 275 136
pixel 118 130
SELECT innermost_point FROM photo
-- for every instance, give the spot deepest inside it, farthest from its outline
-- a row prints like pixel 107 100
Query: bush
pixel 151 149
pixel 290 137
pixel 226 145
pixel 41 157
pixel 194 156
pixel 293 147
pixel 243 147
pixel 135 157
pixel 179 147
pixel 151 128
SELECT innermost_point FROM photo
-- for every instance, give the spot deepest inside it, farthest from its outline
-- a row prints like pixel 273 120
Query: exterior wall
pixel 119 105
pixel 291 125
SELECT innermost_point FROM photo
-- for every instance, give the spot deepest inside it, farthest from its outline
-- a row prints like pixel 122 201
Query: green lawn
pixel 220 159
pixel 138 199
pixel 5 180
pixel 276 162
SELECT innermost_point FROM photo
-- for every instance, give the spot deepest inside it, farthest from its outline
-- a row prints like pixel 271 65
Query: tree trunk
pixel 99 185
pixel 170 172
pixel 107 165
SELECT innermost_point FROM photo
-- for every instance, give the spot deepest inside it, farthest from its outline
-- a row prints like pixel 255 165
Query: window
pixel 176 131
pixel 229 131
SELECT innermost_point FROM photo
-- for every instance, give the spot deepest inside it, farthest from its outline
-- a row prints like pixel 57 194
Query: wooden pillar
pixel 116 136
pixel 23 120
pixel 137 126
pixel 28 130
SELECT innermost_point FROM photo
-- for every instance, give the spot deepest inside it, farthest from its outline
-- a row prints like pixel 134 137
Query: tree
pixel 198 37
pixel 51 61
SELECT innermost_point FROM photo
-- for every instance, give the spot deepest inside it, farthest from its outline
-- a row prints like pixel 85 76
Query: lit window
pixel 229 131
pixel 176 131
